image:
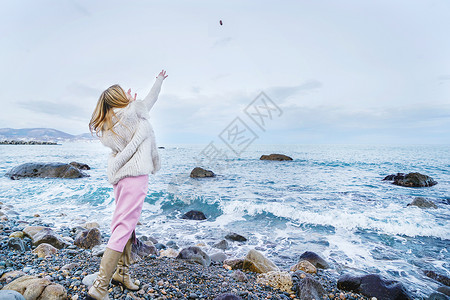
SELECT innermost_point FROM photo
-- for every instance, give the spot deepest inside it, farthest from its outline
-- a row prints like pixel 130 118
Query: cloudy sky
pixel 340 71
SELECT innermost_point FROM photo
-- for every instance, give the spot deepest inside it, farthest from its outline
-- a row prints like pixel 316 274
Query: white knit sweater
pixel 134 150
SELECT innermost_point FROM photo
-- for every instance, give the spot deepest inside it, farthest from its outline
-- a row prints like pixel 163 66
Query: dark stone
pixel 278 157
pixel 195 254
pixel 45 170
pixel 234 263
pixel 47 235
pixel 160 246
pixel 422 203
pixel 10 295
pixel 80 166
pixel 395 177
pixel 139 250
pixel 438 296
pixel 412 180
pixel 172 244
pixel 314 259
pixel 235 237
pixel 373 285
pixel 438 277
pixel 89 238
pixel 444 290
pixel 227 297
pixel 223 245
pixel 16 244
pixel 307 288
pixel 200 173
pixel 194 215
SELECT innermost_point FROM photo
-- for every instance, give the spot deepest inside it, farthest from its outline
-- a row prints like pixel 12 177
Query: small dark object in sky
pixel 220 22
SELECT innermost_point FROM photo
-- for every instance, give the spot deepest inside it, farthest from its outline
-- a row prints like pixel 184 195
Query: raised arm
pixel 152 96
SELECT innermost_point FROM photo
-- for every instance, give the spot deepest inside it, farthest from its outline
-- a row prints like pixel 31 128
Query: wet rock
pixel 17 234
pixel 438 277
pixel 228 297
pixel 6 277
pixel 168 253
pixel 411 180
pixel 444 290
pixel 256 262
pixel 10 295
pixel 304 266
pixel 201 173
pixel 438 296
pixel 218 257
pixel 32 288
pixel 238 275
pixel 30 231
pixel 140 250
pixel 171 244
pixel 195 254
pixel 234 263
pixel 45 235
pixel 44 250
pixel 89 238
pixel 222 245
pixel 422 203
pixel 79 166
pixel 45 170
pixel 314 259
pixel 373 286
pixel 235 237
pixel 98 250
pixel 16 244
pixel 306 287
pixel 279 157
pixel 194 215
pixel 276 279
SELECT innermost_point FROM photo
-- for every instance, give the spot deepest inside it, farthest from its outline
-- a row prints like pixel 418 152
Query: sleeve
pixel 152 96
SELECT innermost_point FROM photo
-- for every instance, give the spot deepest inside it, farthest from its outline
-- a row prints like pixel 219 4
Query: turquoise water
pixel 330 199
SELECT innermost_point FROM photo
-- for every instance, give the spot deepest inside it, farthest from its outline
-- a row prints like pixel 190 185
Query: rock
pixel 90 225
pixel 30 231
pixel 10 275
pixel 44 250
pixel 160 246
pixel 98 250
pixel 227 297
pixel 171 244
pixel 46 235
pixel 238 275
pixel 88 280
pixel 306 287
pixel 168 253
pixel 89 238
pixel 195 254
pixel 276 279
pixel 16 244
pixel 10 295
pixel 422 203
pixel 304 266
pixel 200 173
pixel 235 237
pixel 411 180
pixel 70 266
pixel 32 288
pixel 438 277
pixel 17 234
pixel 218 257
pixel 373 285
pixel 45 170
pixel 79 166
pixel 194 215
pixel 444 290
pixel 140 250
pixel 438 296
pixel 222 245
pixel 256 262
pixel 314 259
pixel 234 263
pixel 279 157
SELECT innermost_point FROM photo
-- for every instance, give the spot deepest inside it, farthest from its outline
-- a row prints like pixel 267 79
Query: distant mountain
pixel 40 134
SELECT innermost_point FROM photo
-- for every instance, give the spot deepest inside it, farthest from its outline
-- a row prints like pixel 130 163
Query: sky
pixel 350 71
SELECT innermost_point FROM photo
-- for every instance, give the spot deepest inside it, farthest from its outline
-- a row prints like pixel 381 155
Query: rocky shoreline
pixel 14 142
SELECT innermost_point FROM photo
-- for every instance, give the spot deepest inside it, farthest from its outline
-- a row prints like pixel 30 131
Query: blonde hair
pixel 101 120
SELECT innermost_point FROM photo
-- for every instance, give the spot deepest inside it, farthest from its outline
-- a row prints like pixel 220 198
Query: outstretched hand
pixel 163 73
pixel 130 98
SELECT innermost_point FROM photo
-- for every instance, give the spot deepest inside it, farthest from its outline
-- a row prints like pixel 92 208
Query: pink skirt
pixel 129 194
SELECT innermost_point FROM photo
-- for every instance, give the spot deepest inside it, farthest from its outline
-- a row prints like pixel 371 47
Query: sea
pixel 330 199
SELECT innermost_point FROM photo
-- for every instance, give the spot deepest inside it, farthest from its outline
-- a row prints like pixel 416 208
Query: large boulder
pixel 44 250
pixel 422 203
pixel 45 170
pixel 195 254
pixel 194 215
pixel 438 277
pixel 307 287
pixel 314 259
pixel 88 239
pixel 32 288
pixel 140 250
pixel 276 279
pixel 10 295
pixel 47 235
pixel 411 180
pixel 373 285
pixel 256 262
pixel 235 237
pixel 274 156
pixel 198 172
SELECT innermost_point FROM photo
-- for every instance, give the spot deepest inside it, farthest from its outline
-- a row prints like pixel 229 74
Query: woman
pixel 122 124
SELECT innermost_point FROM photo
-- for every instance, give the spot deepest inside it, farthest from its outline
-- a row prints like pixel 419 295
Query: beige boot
pixel 99 290
pixel 121 276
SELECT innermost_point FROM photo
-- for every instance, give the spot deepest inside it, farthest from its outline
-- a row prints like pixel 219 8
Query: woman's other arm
pixel 152 96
